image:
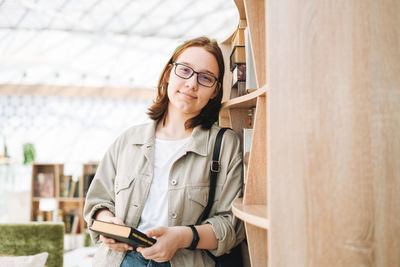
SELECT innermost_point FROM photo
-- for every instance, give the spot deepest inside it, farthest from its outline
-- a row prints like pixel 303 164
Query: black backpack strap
pixel 214 170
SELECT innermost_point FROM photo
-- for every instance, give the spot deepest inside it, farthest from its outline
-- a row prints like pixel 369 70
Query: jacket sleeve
pixel 101 191
pixel 228 230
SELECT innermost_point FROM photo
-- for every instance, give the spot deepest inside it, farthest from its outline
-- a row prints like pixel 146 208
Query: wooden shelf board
pixel 245 101
pixel 45 164
pixel 39 198
pixel 69 199
pixel 253 214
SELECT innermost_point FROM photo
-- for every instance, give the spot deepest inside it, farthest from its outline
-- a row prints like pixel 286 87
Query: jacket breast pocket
pixel 198 197
pixel 123 182
pixel 124 186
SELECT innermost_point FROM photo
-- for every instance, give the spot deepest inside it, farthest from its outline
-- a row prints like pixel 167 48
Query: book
pixel 238 80
pixel 72 188
pixel 238 55
pixel 238 38
pixel 234 92
pixel 75 224
pixel 44 185
pixel 238 74
pixel 87 180
pixel 250 116
pixel 64 185
pixel 241 85
pixel 68 222
pixel 76 192
pixel 122 233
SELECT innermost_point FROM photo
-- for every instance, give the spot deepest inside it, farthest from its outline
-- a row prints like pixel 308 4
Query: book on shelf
pixel 250 116
pixel 234 93
pixel 73 188
pixel 238 74
pixel 65 183
pixel 87 180
pixel 75 224
pixel 43 185
pixel 68 222
pixel 238 90
pixel 71 221
pixel 238 55
pixel 122 233
pixel 76 191
pixel 247 137
pixel 241 86
pixel 239 78
pixel 238 37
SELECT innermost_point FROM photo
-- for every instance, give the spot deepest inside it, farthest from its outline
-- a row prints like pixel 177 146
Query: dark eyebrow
pixel 204 71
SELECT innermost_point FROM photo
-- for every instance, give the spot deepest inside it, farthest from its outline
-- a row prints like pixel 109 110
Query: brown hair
pixel 209 114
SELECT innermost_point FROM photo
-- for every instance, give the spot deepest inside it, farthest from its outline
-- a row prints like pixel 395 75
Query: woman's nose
pixel 192 81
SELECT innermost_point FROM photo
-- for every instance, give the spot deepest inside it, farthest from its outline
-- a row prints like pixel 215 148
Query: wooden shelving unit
pixel 56 170
pixel 328 192
pixel 66 204
pixel 252 208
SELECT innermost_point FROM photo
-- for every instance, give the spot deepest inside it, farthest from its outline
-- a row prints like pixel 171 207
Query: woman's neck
pixel 173 128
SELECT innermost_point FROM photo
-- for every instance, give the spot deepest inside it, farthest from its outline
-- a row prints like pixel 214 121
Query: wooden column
pixel 333 132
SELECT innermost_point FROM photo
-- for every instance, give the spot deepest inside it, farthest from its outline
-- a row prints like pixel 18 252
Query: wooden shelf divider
pixel 250 111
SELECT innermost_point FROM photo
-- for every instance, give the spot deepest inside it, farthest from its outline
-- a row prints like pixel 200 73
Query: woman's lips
pixel 187 95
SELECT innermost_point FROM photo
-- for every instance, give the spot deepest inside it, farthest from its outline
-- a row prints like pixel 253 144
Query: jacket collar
pixel 198 142
pixel 146 134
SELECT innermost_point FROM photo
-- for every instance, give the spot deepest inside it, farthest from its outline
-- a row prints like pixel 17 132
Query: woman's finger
pixel 158 231
pixel 107 240
pixel 120 246
pixel 114 245
pixel 159 260
pixel 117 220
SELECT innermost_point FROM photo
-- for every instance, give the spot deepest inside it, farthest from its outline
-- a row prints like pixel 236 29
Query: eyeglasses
pixel 186 72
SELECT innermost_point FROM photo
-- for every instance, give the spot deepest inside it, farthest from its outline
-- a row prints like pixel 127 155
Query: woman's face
pixel 187 95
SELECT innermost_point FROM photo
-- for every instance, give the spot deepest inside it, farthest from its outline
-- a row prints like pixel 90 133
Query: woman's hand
pixel 169 240
pixel 107 216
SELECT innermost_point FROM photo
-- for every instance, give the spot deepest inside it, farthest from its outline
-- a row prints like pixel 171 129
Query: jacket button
pixel 174 182
pixel 173 215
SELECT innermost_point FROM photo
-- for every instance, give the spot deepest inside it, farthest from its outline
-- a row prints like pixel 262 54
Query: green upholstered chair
pixel 33 238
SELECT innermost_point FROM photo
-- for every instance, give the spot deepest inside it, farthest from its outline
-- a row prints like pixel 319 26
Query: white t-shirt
pixel 155 211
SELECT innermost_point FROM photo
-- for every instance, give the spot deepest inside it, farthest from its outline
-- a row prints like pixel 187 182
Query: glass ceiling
pixel 98 43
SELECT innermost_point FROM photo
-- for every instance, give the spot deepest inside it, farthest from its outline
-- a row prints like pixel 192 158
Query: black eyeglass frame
pixel 193 72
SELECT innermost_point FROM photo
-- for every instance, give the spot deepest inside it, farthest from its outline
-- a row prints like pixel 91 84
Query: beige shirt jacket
pixel 124 176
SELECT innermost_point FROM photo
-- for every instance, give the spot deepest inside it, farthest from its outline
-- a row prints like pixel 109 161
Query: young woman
pixel 155 177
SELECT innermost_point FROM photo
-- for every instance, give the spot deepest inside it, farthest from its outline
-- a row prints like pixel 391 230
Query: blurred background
pixel 75 74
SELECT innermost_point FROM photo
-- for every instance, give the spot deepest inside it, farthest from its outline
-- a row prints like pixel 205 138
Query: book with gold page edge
pixel 122 233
